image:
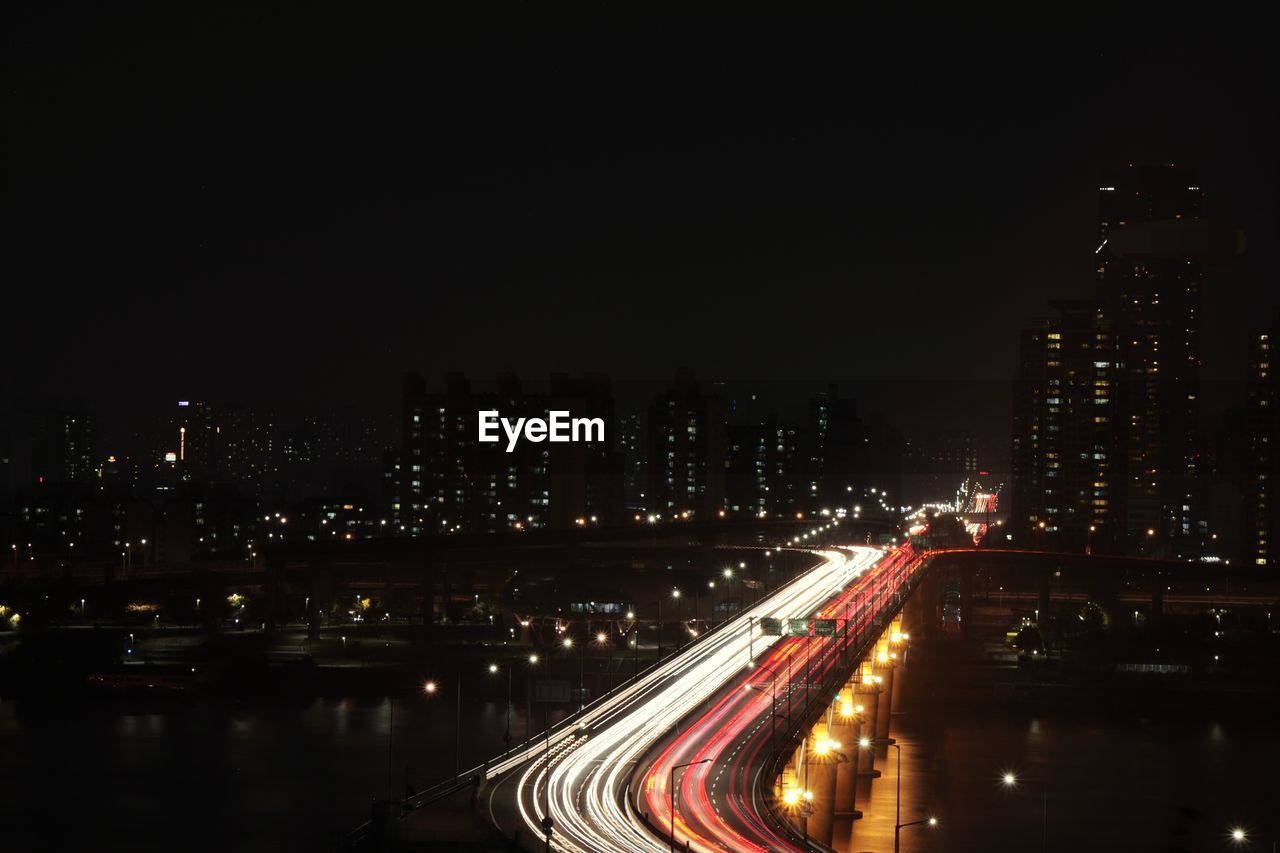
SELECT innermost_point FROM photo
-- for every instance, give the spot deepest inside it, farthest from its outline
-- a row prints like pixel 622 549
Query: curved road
pixel 718 804
pixel 580 775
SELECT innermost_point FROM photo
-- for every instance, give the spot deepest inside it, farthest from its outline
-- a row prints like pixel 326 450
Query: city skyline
pixel 534 429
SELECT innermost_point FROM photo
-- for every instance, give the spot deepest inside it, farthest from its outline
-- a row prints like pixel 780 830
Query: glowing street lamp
pixel 1010 780
pixel 801 802
pixel 898 825
pixel 672 792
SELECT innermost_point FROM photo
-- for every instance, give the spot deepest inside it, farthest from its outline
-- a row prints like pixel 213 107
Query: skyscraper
pixel 443 480
pixel 1262 424
pixel 1065 434
pixel 63 447
pixel 1149 283
pixel 686 451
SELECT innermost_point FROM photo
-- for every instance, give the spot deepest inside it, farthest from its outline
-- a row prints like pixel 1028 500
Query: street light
pixel 528 714
pixel 672 793
pixel 801 802
pixel 602 640
pixel 430 688
pixel 675 593
pixel 1010 780
pixel 898 825
pixel 494 669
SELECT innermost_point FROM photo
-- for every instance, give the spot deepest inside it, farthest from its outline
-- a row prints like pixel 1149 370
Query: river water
pixel 209 774
pixel 204 773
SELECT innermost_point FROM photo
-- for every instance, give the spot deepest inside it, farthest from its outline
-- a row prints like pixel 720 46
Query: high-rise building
pixel 1065 435
pixel 686 451
pixel 585 478
pixel 1108 450
pixel 63 447
pixel 838 440
pixel 631 445
pixel 1261 514
pixel 443 480
pixel 1149 286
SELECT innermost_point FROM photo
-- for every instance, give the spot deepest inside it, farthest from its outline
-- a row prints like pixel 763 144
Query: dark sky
pixel 292 207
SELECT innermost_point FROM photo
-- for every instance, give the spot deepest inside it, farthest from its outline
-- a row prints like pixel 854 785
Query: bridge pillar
pixel 1157 602
pixel 844 730
pixel 883 677
pixel 866 695
pixel 929 594
pixel 821 759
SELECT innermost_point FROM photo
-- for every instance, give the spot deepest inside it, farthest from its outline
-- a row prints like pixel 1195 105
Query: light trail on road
pixel 718 807
pixel 580 774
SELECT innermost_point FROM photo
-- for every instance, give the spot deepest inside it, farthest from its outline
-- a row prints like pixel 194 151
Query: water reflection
pixel 204 774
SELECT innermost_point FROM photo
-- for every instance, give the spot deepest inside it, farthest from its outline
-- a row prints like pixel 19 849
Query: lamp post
pixel 1240 838
pixel 802 802
pixel 728 589
pixel 601 640
pixel 506 737
pixel 582 667
pixel 635 645
pixel 659 627
pixel 672 793
pixel 697 605
pixel 431 688
pixel 898 825
pixel 675 593
pixel 528 716
pixel 1010 780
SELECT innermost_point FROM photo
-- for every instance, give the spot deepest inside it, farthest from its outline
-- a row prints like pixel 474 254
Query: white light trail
pixel 589 763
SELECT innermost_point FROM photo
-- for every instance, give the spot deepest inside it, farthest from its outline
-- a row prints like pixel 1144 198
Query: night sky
pixel 291 208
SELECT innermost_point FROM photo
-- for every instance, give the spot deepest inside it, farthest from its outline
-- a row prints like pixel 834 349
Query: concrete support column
pixel 899 670
pixel 844 730
pixel 821 770
pixel 868 696
pixel 884 705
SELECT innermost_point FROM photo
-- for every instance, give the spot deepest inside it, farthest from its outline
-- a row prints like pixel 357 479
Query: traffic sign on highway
pixel 797 627
pixel 824 628
pixel 771 627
